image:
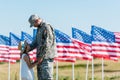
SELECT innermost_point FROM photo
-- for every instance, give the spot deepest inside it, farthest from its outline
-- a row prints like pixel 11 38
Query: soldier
pixel 46 47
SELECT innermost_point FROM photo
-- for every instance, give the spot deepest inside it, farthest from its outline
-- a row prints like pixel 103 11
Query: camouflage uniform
pixel 46 49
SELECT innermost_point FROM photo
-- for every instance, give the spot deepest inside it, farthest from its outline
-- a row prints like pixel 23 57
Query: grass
pixel 111 70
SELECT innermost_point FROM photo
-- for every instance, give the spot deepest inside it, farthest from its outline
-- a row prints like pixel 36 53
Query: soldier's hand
pixel 39 60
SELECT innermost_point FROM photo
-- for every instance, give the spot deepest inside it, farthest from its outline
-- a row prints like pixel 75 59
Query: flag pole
pixel 87 69
pixel 102 68
pixel 9 70
pixel 73 71
pixel 20 70
pixel 56 70
pixel 92 68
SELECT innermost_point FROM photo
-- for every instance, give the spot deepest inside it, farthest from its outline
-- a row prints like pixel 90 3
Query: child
pixel 26 65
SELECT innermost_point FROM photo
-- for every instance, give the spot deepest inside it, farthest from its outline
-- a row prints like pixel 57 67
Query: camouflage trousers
pixel 45 70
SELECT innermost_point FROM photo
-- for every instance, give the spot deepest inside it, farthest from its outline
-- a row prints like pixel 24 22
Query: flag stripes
pixel 101 43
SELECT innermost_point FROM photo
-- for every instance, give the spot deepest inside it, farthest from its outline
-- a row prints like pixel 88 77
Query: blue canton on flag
pixel 62 37
pixel 81 36
pixel 14 39
pixel 4 40
pixel 26 36
pixel 100 34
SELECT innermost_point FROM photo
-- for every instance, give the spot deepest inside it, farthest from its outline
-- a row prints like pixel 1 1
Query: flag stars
pixel 100 34
pixel 80 35
pixel 62 37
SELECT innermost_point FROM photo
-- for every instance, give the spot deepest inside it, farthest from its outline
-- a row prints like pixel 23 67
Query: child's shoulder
pixel 24 55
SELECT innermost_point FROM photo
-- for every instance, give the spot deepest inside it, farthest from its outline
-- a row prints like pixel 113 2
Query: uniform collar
pixel 41 24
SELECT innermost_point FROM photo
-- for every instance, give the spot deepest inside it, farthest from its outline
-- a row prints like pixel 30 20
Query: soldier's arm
pixel 46 42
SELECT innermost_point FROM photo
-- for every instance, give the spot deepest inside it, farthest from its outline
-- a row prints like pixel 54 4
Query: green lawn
pixel 111 70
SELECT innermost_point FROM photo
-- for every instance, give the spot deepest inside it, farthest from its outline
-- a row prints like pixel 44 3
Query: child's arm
pixel 30 65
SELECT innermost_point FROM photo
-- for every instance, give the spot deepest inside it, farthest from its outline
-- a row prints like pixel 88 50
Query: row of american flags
pixel 101 43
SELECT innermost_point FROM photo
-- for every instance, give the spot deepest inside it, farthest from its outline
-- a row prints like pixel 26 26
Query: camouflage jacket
pixel 44 41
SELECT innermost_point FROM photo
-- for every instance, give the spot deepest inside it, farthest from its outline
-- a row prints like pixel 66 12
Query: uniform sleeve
pixel 46 41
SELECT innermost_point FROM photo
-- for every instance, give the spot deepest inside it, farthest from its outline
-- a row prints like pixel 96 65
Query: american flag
pixel 26 36
pixel 65 47
pixel 13 50
pixel 83 43
pixel 29 39
pixel 105 43
pixel 4 49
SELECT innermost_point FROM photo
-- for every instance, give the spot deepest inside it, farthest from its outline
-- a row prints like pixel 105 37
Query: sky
pixel 61 14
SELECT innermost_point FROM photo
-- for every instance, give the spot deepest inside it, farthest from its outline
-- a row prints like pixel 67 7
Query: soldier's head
pixel 34 20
